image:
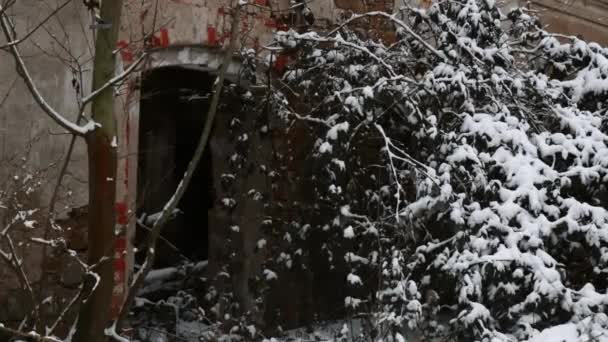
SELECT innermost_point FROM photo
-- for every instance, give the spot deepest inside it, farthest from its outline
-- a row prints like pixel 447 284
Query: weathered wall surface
pixel 587 19
pixel 53 55
pixel 52 68
pixel 175 32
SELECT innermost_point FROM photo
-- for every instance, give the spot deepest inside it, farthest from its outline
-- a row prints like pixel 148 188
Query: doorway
pixel 173 104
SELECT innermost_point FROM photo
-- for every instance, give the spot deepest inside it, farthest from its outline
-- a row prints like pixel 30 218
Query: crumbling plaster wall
pixel 47 55
pixel 587 19
pixel 50 65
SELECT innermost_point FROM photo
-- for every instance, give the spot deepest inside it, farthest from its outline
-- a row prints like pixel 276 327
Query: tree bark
pixel 94 312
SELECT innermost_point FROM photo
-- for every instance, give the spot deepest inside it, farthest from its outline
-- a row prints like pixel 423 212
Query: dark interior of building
pixel 174 101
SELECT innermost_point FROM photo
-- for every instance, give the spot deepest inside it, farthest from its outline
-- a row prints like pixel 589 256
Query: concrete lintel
pixel 202 58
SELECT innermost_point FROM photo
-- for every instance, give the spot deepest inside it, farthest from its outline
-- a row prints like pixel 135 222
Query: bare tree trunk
pixel 94 313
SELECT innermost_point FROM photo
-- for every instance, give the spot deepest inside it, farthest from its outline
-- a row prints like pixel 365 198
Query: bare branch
pixel 28 335
pixel 19 267
pixel 316 38
pixel 24 73
pixel 66 310
pixel 4 7
pixel 400 23
pixel 36 28
pixel 113 81
pixel 8 92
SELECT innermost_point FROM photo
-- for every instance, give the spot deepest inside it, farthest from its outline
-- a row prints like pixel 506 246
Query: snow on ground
pixel 560 333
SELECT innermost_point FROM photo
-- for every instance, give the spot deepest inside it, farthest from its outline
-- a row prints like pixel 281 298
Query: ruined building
pixel 158 110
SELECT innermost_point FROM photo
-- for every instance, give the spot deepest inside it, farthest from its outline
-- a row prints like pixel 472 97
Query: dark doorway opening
pixel 174 101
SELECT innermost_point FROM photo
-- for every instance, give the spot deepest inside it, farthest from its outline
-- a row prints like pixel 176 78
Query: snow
pixel 150 220
pixel 29 224
pixel 559 333
pixel 353 103
pixel 354 279
pixel 111 332
pixel 340 163
pixel 487 149
pixel 352 302
pixel 270 275
pixel 325 147
pixel 349 232
pixel 332 134
pixel 351 257
pixel 192 331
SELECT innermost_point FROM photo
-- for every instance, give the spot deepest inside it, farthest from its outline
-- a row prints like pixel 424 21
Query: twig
pixel 394 19
pixel 163 239
pixel 8 92
pixel 66 310
pixel 36 28
pixel 16 265
pixel 29 335
pixel 24 73
pixel 113 81
pixel 339 40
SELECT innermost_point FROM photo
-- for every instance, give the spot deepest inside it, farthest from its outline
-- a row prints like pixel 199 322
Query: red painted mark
pixel 155 41
pixel 280 63
pixel 121 247
pixel 164 37
pixel 125 51
pixel 121 211
pixel 120 262
pixel 220 11
pixel 270 22
pixel 282 27
pixel 212 35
